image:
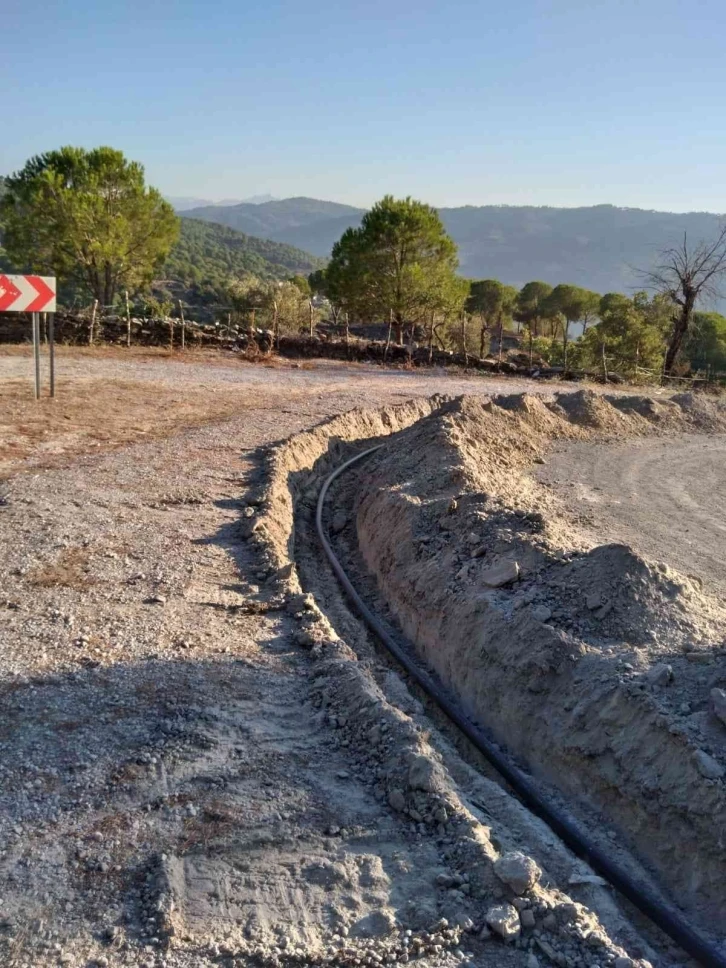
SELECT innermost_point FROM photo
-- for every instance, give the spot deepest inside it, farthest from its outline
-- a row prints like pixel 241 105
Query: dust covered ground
pixel 184 781
pixel 665 497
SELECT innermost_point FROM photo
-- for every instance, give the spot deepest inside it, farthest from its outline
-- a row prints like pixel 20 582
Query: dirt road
pixel 666 497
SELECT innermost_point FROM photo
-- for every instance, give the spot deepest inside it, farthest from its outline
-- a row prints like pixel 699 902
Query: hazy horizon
pixel 253 194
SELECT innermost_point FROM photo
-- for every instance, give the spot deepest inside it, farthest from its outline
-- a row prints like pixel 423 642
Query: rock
pixel 503 919
pixel 718 702
pixel 527 918
pixel 660 674
pixel 397 800
pixel 517 871
pixel 707 766
pixel 503 573
pixel 700 658
pixel 541 613
pixel 423 775
pixel 532 961
pixel 623 963
pixel 340 520
pixel 593 601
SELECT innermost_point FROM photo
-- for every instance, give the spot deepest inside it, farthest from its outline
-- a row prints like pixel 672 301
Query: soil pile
pixel 566 652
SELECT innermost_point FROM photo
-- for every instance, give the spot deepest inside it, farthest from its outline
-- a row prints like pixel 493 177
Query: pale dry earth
pixel 174 789
pixel 665 497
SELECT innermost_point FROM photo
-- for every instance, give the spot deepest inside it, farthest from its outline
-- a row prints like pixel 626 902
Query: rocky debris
pixel 340 520
pixel 718 703
pixel 661 674
pixel 708 766
pixel 503 573
pixel 517 871
pixel 424 774
pixel 503 919
pixel 542 613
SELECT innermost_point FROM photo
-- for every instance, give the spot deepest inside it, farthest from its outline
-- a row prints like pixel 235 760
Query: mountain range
pixel 601 247
pixel 184 202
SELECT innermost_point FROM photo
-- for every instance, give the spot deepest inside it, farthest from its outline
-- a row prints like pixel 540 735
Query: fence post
pixel 93 322
pixel 183 325
pixel 128 319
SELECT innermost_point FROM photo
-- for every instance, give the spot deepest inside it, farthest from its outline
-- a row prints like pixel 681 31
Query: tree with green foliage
pixel 530 308
pixel 400 261
pixel 705 345
pixel 89 218
pixel 493 302
pixel 573 304
pixel 628 337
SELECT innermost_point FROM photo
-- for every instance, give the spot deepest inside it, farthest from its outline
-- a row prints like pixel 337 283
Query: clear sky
pixel 566 102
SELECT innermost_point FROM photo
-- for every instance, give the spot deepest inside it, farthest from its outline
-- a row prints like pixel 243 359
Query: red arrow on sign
pixel 45 294
pixel 9 292
pixel 27 294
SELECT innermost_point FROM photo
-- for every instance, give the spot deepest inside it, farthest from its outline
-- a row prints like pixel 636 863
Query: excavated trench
pixel 563 652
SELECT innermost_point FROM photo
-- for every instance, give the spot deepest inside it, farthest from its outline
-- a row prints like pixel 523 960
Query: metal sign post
pixel 36 352
pixel 51 350
pixel 34 295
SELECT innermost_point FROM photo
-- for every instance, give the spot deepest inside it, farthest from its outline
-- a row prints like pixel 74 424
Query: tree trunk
pixel 531 347
pixel 388 337
pixel 347 336
pixel 431 339
pixel 183 325
pixel 398 324
pixel 680 328
pixel 463 338
pixel 501 340
pixel 482 338
pixel 565 334
pixel 604 365
pixel 312 318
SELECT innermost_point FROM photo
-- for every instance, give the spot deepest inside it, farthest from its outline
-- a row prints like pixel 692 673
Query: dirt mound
pixel 707 414
pixel 563 650
pixel 595 412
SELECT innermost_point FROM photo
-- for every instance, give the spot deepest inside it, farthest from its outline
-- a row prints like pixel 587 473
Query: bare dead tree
pixel 686 274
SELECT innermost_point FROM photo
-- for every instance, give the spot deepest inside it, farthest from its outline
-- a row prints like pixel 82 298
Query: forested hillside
pixel 318 222
pixel 215 253
pixel 599 247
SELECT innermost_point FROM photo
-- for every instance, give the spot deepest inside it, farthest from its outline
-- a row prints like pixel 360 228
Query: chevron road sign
pixel 27 294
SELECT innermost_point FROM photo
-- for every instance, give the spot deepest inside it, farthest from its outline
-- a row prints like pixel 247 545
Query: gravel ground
pixel 158 727
pixel 666 498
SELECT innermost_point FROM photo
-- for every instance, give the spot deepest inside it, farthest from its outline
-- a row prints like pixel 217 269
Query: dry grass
pixel 71 570
pixel 89 415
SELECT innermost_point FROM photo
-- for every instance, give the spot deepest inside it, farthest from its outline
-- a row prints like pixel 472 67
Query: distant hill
pixel 184 202
pixel 319 223
pixel 214 253
pixel 598 247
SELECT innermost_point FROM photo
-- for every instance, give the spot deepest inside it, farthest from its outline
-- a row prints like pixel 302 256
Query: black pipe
pixel 666 917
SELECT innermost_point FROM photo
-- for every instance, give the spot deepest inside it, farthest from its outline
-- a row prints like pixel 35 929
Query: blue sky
pixel 568 102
